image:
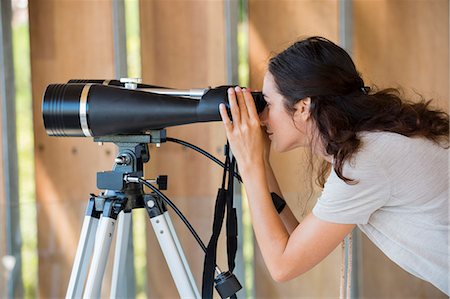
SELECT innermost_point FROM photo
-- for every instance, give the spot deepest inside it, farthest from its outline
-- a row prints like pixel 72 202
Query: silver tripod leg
pixel 103 238
pixel 183 257
pixel 121 285
pixel 84 253
pixel 174 256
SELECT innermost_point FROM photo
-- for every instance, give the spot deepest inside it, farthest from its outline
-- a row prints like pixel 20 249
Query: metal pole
pixel 346 25
pixel 231 26
pixel 9 149
pixel 231 21
pixel 121 71
pixel 346 42
pixel 120 40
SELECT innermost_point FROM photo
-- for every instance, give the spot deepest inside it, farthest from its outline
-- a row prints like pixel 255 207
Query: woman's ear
pixel 302 109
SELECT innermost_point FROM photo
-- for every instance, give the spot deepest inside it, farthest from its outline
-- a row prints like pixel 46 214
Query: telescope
pixel 94 108
pixel 131 115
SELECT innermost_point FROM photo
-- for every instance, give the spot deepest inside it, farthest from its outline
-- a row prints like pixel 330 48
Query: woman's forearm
pixel 271 179
pixel 287 217
pixel 270 232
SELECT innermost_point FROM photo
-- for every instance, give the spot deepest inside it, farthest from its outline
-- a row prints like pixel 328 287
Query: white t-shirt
pixel 400 201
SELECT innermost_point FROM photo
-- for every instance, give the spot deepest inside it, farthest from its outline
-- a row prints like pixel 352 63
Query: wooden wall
pixel 183 46
pixel 401 43
pixel 68 40
pixel 404 43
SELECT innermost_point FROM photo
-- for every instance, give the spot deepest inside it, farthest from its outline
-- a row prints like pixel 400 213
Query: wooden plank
pixel 401 43
pixel 274 25
pixel 185 50
pixel 68 40
pixel 404 43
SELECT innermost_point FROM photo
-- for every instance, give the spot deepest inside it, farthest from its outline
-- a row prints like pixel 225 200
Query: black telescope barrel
pixel 80 109
pixel 220 91
pixel 115 110
pixel 109 110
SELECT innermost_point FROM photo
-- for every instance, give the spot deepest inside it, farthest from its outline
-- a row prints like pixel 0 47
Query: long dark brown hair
pixel 341 105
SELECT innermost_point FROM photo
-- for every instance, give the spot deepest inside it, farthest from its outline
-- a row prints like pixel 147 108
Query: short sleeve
pixel 354 203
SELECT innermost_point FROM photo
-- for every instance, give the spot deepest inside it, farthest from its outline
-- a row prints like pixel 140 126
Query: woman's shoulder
pixel 377 137
pixel 385 142
pixel 389 149
pixel 376 145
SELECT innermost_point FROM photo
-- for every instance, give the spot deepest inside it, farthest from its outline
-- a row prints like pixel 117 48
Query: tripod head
pixel 133 154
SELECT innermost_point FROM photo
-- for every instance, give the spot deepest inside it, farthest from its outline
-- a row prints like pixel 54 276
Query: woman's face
pixel 286 131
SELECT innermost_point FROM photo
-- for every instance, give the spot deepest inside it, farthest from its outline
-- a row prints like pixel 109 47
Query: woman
pixel 388 161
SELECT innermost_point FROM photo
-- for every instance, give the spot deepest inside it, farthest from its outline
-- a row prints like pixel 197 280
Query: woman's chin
pixel 280 148
pixel 283 148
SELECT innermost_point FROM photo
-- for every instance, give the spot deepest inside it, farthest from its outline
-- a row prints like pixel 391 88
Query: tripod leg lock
pixel 154 205
pixel 113 206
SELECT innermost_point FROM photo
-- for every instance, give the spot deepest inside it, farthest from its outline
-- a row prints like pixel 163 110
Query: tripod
pixel 124 193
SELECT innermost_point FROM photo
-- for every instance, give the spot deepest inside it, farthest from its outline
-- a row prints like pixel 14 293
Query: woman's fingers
pixel 250 105
pixel 241 102
pixel 226 120
pixel 234 107
pixel 242 106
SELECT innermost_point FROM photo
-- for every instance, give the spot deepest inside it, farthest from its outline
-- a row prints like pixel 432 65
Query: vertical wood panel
pixel 404 43
pixel 401 43
pixel 274 25
pixel 68 40
pixel 183 46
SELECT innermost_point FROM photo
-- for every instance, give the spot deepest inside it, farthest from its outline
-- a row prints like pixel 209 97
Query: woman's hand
pixel 267 143
pixel 244 133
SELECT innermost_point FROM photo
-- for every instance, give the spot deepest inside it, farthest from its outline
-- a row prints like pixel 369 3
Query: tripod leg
pixel 121 287
pixel 181 253
pixel 174 256
pixel 103 237
pixel 84 251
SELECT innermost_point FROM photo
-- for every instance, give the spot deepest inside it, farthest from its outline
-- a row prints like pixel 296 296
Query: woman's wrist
pixel 248 168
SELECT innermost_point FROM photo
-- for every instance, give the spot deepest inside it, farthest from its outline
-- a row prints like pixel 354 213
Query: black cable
pixel 203 152
pixel 178 212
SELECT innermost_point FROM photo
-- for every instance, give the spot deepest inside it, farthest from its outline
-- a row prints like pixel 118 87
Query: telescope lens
pixel 61 110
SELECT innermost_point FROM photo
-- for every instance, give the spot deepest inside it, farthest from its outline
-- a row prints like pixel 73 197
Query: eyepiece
pixel 260 103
